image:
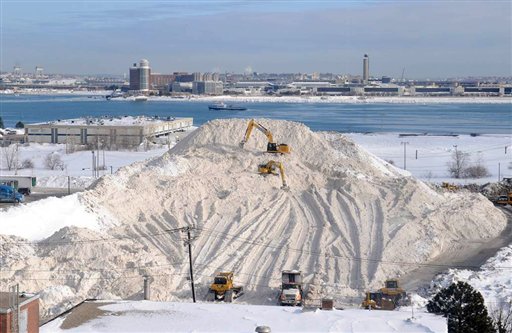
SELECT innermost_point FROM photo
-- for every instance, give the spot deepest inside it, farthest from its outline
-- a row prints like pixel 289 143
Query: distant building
pixel 140 77
pixel 184 77
pixel 366 69
pixel 207 87
pixel 106 132
pixel 161 81
pixel 386 79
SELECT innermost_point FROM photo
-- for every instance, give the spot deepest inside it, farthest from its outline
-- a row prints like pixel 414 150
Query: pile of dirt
pixel 348 221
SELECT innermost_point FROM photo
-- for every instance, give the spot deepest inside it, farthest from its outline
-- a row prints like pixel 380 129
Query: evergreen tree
pixel 1 123
pixel 464 307
pixel 19 124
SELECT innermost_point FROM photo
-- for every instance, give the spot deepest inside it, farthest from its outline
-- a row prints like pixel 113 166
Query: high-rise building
pixel 140 77
pixel 366 69
pixel 145 72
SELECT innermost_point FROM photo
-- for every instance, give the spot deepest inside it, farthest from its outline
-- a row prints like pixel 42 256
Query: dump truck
pixel 272 147
pixel 23 184
pixel 388 298
pixel 292 292
pixel 223 288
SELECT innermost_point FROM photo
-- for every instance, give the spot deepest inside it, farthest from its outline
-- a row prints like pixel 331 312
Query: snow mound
pixel 349 220
pixel 493 280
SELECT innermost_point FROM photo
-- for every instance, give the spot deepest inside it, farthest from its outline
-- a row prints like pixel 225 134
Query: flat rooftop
pixel 109 121
pixel 4 299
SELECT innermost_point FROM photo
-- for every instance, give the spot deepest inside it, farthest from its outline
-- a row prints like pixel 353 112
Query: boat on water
pixel 229 107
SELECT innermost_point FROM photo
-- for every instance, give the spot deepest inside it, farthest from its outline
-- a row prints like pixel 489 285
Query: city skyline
pixel 426 38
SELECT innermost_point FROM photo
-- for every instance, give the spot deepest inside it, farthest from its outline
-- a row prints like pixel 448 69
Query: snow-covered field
pixel 145 316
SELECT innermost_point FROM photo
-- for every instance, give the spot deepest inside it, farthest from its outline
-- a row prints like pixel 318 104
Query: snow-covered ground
pixel 433 155
pixel 145 316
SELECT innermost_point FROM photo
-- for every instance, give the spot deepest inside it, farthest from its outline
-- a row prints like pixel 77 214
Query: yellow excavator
pixel 270 168
pixel 272 147
pixel 223 289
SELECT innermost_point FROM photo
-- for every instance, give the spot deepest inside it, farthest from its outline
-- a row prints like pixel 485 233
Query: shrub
pixel 27 164
pixel 476 171
pixel 464 307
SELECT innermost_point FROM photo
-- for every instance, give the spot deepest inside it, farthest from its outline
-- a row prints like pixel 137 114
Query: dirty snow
pixel 348 221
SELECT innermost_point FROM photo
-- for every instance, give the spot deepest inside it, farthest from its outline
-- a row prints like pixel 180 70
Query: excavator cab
pixel 282 148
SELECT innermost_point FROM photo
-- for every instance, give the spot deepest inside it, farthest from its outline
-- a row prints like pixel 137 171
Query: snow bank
pixel 348 222
pixel 42 218
pixel 493 280
pixel 188 317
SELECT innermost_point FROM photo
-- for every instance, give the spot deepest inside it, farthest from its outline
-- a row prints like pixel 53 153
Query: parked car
pixel 9 194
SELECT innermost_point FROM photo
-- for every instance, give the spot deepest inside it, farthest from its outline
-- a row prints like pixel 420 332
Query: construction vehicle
pixel 291 288
pixel 272 147
pixel 503 199
pixel 449 187
pixel 270 168
pixel 388 298
pixel 223 289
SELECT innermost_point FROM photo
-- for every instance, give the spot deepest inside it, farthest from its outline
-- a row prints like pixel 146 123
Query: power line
pixel 319 254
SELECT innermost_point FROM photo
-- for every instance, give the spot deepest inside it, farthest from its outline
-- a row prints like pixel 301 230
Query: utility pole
pixel 189 242
pixel 405 143
pixel 93 164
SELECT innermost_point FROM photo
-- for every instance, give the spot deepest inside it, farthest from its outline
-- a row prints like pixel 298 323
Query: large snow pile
pixel 188 317
pixel 349 221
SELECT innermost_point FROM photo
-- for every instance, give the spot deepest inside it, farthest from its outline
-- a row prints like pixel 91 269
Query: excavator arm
pixel 248 131
pixel 270 168
pixel 272 147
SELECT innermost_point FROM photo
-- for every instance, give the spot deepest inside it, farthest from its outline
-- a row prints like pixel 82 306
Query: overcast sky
pixel 430 39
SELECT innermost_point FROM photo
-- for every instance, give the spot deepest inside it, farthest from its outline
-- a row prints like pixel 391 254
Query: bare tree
pixel 502 317
pixel 53 161
pixel 458 164
pixel 11 156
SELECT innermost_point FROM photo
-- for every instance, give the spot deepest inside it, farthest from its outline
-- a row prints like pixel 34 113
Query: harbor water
pixel 436 118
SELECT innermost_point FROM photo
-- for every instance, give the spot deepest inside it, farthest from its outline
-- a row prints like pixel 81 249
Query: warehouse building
pixel 108 132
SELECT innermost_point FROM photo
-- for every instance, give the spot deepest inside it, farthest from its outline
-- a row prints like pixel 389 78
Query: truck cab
pixel 9 194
